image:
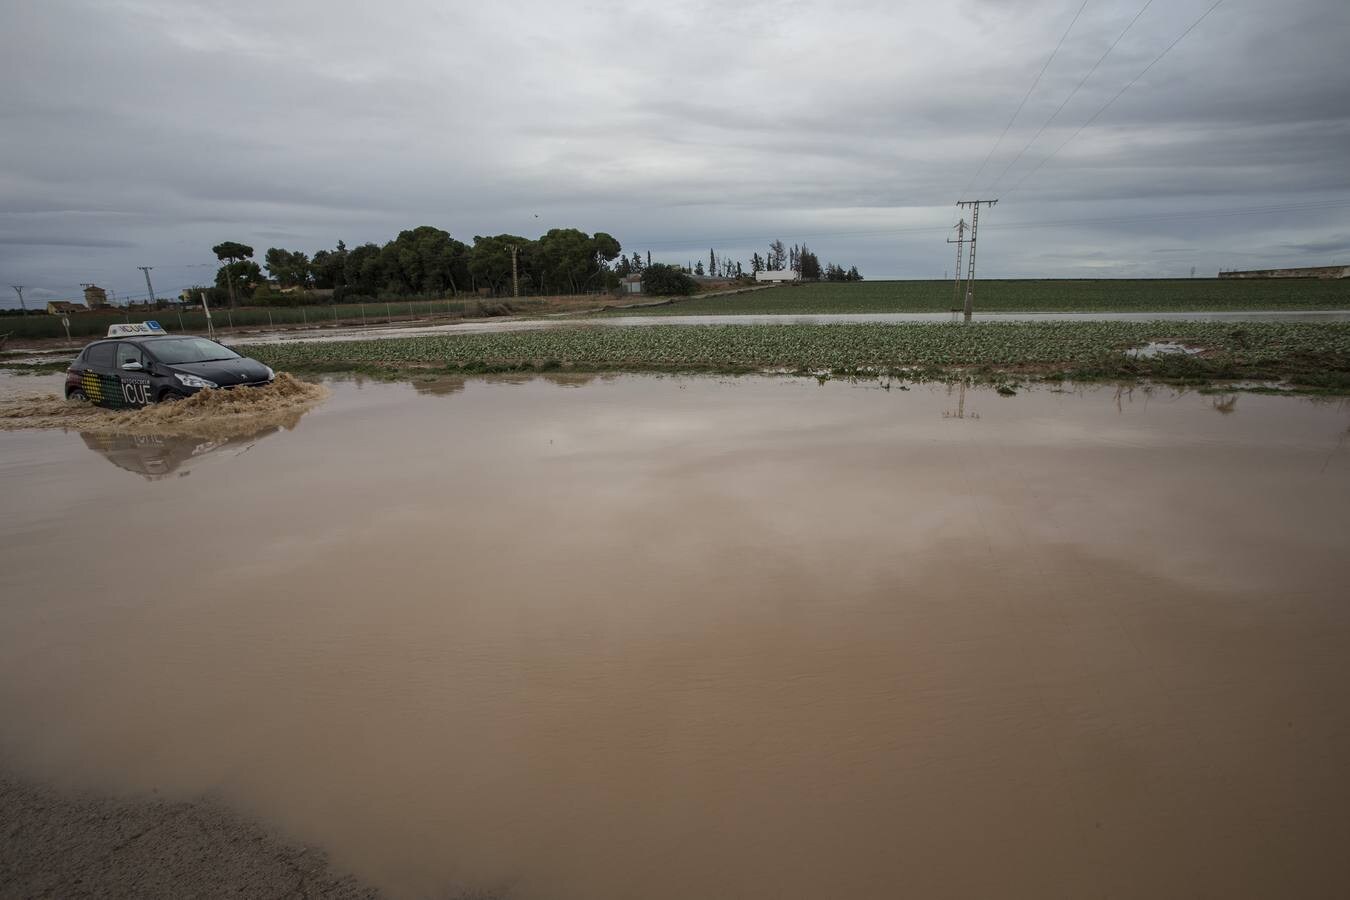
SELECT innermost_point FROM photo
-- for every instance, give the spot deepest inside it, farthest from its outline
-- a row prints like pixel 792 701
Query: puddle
pixel 156 456
pixel 672 637
pixel 1163 348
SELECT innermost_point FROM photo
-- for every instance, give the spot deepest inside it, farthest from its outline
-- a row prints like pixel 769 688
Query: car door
pixel 133 375
pixel 98 378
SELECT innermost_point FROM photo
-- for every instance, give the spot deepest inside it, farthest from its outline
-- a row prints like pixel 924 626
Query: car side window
pixel 99 356
pixel 129 353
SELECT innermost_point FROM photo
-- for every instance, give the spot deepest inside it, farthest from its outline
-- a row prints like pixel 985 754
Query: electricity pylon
pixel 974 231
pixel 960 244
pixel 150 288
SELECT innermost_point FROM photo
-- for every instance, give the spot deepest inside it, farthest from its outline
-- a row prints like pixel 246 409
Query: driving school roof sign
pixel 150 327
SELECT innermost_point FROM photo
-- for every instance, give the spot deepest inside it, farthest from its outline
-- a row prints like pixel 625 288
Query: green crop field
pixel 1316 355
pixel 1102 295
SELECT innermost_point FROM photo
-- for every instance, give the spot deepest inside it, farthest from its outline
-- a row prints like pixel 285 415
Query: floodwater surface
pixel 694 637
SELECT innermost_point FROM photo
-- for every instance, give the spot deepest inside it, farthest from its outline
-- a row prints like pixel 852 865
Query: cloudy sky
pixel 141 132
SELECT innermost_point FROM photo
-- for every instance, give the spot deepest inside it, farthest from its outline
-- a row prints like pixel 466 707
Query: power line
pixel 1072 94
pixel 1162 217
pixel 1025 98
pixel 932 229
pixel 1118 95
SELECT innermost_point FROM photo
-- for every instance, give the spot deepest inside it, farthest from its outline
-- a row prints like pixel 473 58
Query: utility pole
pixel 18 289
pixel 515 274
pixel 148 286
pixel 960 245
pixel 974 230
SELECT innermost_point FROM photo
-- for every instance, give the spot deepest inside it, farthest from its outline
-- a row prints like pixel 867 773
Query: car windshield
pixel 190 350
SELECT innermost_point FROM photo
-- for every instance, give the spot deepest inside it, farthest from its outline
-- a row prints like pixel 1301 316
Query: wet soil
pixel 672 637
pixel 77 845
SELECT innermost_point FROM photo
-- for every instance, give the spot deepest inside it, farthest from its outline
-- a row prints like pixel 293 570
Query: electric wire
pixel 1054 115
pixel 1025 98
pixel 1116 96
pixel 1327 204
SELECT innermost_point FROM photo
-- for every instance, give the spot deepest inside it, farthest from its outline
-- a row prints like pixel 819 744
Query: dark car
pixel 132 371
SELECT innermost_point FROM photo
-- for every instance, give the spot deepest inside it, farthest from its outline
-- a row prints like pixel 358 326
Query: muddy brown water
pixel 695 637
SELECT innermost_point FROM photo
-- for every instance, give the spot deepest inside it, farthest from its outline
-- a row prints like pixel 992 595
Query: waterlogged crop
pixel 1082 349
pixel 1100 295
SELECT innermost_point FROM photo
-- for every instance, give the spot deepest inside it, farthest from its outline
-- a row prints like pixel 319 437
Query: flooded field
pixel 671 637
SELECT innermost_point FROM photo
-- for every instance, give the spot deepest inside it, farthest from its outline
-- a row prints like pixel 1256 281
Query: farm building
pixel 631 284
pixel 778 275
pixel 95 297
pixel 64 308
pixel 1312 272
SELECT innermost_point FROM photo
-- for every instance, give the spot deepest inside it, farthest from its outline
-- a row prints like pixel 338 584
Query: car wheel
pixel 170 397
pixel 78 395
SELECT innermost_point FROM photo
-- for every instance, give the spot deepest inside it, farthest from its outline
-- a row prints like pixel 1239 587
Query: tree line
pixel 798 258
pixel 427 262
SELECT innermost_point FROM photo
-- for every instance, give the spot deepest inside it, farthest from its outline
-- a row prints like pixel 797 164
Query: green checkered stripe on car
pixel 105 390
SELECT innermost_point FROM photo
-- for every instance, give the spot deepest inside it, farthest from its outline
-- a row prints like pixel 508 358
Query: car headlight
pixel 270 374
pixel 193 381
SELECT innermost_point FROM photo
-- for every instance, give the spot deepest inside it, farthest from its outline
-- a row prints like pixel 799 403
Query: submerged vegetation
pixel 1308 355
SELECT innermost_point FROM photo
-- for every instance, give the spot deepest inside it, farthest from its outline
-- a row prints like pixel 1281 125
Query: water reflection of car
pixel 155 456
pixel 133 370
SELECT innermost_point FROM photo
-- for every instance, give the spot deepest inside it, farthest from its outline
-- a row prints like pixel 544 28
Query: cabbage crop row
pixel 1079 348
pixel 1084 295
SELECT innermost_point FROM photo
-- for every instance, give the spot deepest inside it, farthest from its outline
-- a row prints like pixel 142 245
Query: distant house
pixel 1309 272
pixel 64 308
pixel 778 276
pixel 95 297
pixel 631 284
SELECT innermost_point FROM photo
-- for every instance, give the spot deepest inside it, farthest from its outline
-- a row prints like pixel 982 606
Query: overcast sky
pixel 141 132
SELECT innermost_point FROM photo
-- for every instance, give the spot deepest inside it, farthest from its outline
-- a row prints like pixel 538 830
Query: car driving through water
pixel 128 370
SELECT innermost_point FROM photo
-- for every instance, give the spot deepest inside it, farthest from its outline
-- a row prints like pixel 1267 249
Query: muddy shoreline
pixel 73 844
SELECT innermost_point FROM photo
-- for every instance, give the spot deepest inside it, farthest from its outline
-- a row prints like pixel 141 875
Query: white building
pixel 778 275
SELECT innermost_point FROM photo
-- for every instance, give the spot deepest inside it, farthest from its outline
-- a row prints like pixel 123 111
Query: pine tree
pixel 777 256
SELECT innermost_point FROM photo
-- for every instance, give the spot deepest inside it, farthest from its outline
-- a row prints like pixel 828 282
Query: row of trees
pixel 798 258
pixel 801 260
pixel 426 261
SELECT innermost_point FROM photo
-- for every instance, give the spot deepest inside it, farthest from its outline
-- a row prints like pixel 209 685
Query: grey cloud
pixel 141 132
pixel 1338 244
